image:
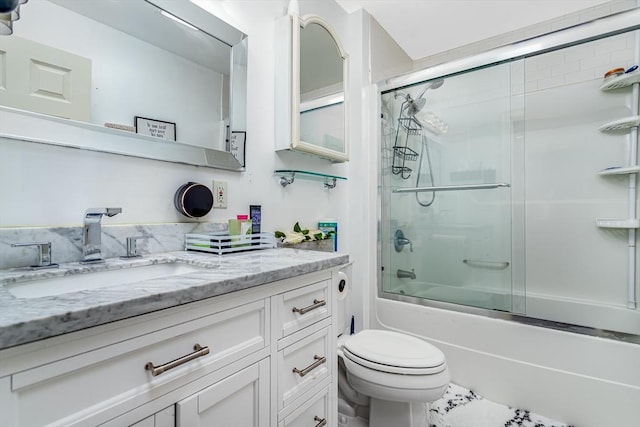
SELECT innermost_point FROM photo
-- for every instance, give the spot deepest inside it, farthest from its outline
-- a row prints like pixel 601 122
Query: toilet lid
pixel 394 349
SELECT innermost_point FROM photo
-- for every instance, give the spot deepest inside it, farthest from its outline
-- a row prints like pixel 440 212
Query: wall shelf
pixel 617 223
pixel 287 176
pixel 620 171
pixel 621 81
pixel 620 124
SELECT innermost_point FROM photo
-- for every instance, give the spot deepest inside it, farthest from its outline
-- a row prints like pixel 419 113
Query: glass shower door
pixel 448 189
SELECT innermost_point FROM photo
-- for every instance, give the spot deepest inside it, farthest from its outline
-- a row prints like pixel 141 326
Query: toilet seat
pixel 393 352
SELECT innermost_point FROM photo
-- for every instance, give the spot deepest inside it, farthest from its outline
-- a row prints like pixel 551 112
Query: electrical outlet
pixel 220 194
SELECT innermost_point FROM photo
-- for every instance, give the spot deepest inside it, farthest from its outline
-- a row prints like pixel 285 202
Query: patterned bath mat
pixel 460 407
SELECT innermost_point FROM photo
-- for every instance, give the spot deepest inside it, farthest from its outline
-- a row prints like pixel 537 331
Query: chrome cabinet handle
pixel 321 421
pixel 316 304
pixel 199 351
pixel 319 360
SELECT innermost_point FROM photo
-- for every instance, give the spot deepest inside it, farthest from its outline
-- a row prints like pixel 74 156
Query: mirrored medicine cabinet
pixel 104 75
pixel 311 88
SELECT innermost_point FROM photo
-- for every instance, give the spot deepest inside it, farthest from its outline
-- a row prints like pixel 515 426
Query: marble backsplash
pixel 66 242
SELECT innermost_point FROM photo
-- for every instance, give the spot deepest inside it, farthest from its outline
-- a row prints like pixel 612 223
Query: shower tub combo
pixel 508 182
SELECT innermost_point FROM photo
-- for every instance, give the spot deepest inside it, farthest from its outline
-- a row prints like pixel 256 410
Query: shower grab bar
pixel 498 265
pixel 451 188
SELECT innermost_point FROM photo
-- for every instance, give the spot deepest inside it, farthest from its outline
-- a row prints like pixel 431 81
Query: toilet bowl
pixel 399 373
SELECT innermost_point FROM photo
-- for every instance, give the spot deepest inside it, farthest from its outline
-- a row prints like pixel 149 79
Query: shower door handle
pixel 498 265
pixel 451 188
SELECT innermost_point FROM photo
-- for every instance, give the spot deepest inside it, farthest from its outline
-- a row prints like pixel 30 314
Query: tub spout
pixel 404 274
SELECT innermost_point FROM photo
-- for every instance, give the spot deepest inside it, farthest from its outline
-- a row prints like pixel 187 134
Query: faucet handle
pixel 103 211
pixel 408 242
pixel 132 247
pixel 399 241
pixel 44 254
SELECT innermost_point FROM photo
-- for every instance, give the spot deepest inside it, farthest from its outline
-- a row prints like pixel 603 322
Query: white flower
pixel 293 237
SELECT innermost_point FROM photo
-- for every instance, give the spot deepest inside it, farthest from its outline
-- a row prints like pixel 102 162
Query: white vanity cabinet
pixel 247 358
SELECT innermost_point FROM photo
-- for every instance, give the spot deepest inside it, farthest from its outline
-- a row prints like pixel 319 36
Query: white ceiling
pixel 427 27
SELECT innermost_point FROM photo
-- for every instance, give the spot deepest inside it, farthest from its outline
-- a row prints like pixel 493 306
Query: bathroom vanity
pixel 246 338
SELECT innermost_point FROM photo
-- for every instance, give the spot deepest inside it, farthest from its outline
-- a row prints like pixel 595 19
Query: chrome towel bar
pixel 498 265
pixel 451 188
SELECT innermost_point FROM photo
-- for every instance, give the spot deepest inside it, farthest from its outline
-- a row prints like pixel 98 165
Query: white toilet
pixel 398 373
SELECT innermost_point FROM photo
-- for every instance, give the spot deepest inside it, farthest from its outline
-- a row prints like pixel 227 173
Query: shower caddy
pixel 631 125
pixel 402 153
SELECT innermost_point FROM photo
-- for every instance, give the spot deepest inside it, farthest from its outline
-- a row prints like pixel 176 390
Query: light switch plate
pixel 220 194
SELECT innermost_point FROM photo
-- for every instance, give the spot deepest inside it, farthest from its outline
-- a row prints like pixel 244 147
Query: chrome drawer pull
pixel 319 360
pixel 199 351
pixel 316 304
pixel 322 421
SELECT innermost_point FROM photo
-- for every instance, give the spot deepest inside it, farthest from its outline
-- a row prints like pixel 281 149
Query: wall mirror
pixel 312 95
pixel 89 72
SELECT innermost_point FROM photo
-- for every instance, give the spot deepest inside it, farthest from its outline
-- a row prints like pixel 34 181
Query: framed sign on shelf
pixel 237 145
pixel 156 128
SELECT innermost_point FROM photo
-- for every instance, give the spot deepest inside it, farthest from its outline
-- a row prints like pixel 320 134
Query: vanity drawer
pixel 304 364
pixel 304 306
pixel 94 382
pixel 314 412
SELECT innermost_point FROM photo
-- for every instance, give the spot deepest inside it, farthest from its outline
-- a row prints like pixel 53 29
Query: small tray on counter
pixel 220 243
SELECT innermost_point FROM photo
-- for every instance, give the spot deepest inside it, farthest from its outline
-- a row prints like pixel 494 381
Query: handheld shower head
pixel 417 104
pixel 434 84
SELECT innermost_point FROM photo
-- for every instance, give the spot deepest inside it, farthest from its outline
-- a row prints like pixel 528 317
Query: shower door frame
pixel 589 31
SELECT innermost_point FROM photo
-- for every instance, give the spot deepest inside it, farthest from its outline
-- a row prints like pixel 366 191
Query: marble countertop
pixel 24 320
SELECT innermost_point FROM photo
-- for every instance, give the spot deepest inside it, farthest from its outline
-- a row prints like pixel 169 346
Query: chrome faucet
pixel 92 234
pixel 399 241
pixel 404 274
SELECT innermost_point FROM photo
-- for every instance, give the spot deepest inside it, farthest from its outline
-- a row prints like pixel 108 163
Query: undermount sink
pixel 37 288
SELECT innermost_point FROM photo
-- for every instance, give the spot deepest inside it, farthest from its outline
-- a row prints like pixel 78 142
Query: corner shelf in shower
pixel 626 124
pixel 621 124
pixel 621 81
pixel 287 176
pixel 617 223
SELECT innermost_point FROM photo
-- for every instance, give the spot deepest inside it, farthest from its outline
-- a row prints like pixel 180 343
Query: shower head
pixel 415 105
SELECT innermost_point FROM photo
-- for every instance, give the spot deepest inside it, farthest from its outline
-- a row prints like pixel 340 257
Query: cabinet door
pixel 241 399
